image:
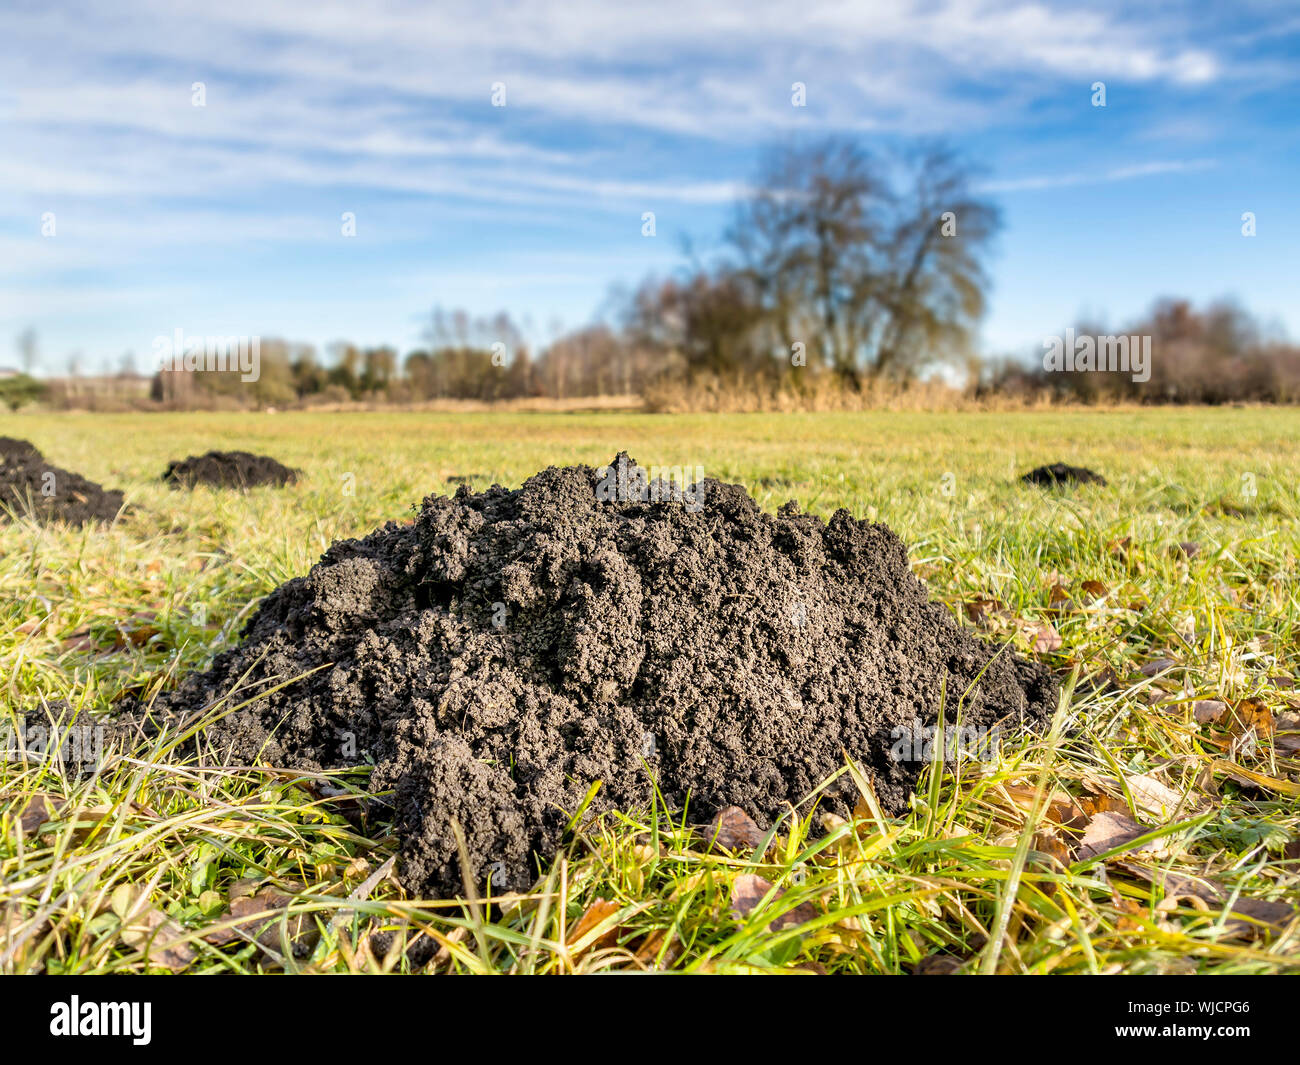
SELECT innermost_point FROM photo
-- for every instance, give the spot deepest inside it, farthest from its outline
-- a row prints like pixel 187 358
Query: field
pixel 1166 602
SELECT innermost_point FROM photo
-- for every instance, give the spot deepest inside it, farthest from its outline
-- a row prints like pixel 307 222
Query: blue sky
pixel 226 218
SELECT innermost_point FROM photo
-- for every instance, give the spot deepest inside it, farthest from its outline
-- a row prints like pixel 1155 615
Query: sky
pixel 170 164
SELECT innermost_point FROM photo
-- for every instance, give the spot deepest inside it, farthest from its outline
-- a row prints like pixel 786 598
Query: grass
pixel 140 866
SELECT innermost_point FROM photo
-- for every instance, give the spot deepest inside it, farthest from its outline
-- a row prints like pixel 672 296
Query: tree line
pixel 843 271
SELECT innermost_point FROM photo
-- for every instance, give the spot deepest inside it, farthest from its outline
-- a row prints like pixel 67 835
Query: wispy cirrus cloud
pixel 410 83
pixel 1098 176
pixel 316 109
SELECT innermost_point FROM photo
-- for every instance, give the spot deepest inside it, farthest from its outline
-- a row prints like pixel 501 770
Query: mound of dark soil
pixel 12 450
pixel 507 649
pixel 1058 473
pixel 228 469
pixel 31 486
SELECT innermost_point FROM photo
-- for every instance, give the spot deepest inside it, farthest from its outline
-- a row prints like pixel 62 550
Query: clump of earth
pixel 228 469
pixel 1058 473
pixel 31 487
pixel 507 649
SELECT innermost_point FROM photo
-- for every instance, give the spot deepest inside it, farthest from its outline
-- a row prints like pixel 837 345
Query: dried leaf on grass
pixel 136 631
pixel 1110 830
pixel 1156 666
pixel 1059 808
pixel 1059 601
pixel 146 928
pixel 20 939
pixel 1286 738
pixel 78 641
pixel 733 830
pixel 41 807
pixel 983 611
pixel 580 939
pixel 1049 844
pixel 1248 918
pixel 1042 636
pixel 1253 714
pixel 1156 797
pixel 937 965
pixel 259 918
pixel 1095 590
pixel 749 890
pixel 648 952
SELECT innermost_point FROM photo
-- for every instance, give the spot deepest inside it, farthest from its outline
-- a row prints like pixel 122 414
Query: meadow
pixel 1154 828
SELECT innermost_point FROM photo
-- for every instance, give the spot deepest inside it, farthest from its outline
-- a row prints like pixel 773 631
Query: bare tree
pixel 875 265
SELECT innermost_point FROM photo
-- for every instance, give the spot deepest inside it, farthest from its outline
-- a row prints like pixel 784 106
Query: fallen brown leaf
pixel 135 637
pixel 259 918
pixel 41 807
pixel 1110 830
pixel 1157 665
pixel 1048 843
pixel 1260 915
pixel 1249 918
pixel 937 965
pixel 22 945
pixel 1286 742
pixel 81 640
pixel 1252 714
pixel 1060 808
pixel 146 928
pixel 749 890
pixel 1102 802
pixel 980 610
pixel 648 952
pixel 1155 797
pixel 1042 637
pixel 598 911
pixel 733 830
pixel 1095 589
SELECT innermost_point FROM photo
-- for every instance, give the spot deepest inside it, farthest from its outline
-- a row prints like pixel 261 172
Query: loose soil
pixel 30 486
pixel 1058 473
pixel 507 649
pixel 228 469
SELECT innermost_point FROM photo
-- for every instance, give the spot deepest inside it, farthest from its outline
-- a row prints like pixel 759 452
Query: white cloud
pixel 1098 176
pixel 612 109
pixel 375 94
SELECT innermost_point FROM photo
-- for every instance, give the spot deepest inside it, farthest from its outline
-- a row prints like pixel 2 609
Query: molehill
pixel 503 651
pixel 1058 473
pixel 31 486
pixel 228 469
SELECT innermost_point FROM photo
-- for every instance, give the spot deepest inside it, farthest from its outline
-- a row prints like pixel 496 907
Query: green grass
pixel 137 865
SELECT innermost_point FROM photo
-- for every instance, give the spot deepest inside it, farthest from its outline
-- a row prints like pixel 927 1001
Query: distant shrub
pixel 21 389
